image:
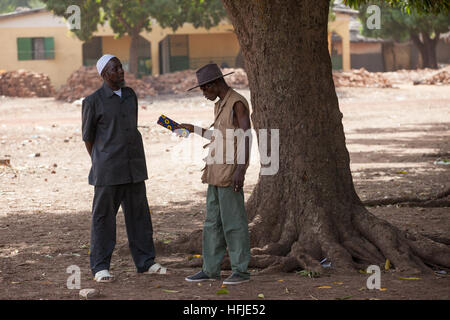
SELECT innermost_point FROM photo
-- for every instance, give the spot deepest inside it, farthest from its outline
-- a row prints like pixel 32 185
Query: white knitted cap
pixel 101 63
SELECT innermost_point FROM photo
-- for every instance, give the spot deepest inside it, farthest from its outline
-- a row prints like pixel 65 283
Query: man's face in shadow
pixel 113 74
pixel 210 90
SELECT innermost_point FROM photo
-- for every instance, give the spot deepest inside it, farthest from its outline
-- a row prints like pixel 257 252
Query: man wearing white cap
pixel 118 172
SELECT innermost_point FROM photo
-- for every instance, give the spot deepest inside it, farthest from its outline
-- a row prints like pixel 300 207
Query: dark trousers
pixel 133 198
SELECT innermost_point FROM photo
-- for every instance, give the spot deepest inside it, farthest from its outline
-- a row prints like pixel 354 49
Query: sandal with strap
pixel 156 269
pixel 104 276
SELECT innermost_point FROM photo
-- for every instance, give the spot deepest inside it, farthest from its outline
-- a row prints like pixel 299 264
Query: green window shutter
pixel 178 63
pixel 24 49
pixel 49 46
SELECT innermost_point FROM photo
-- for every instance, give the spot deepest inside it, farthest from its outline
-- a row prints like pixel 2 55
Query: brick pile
pixel 361 78
pixel 86 80
pixel 440 77
pixel 170 83
pixel 181 81
pixel 23 83
pixel 238 79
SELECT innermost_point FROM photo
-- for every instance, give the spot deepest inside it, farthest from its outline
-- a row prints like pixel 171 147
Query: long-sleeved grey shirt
pixel 110 123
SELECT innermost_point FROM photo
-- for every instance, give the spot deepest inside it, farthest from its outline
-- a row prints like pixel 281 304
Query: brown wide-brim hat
pixel 207 74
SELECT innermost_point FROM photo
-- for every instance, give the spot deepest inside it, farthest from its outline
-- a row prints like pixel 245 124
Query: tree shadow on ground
pixel 401 166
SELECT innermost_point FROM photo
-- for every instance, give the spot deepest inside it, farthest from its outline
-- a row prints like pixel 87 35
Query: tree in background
pixel 310 210
pixel 134 16
pixel 91 12
pixel 400 24
pixel 240 59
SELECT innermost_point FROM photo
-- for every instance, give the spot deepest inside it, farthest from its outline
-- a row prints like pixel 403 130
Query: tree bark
pixel 394 57
pixel 133 62
pixel 427 48
pixel 309 210
pixel 133 31
pixel 430 47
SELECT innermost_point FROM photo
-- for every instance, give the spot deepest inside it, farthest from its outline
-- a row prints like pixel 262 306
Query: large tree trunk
pixel 309 210
pixel 427 48
pixel 430 47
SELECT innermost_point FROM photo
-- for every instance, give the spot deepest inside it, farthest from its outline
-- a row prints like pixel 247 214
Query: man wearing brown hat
pixel 226 224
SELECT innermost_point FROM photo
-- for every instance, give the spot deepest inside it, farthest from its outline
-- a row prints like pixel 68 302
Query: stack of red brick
pixel 361 78
pixel 22 83
pixel 179 82
pixel 86 80
pixel 169 83
pixel 440 77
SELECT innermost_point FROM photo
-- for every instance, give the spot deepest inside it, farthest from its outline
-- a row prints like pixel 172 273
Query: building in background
pixel 36 40
pixel 375 55
pixel 339 31
pixel 39 41
pixel 348 48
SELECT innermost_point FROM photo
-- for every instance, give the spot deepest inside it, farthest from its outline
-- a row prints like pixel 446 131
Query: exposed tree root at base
pixel 437 201
pixel 370 240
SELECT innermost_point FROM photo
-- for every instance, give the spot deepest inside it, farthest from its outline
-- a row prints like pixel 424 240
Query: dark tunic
pixel 110 123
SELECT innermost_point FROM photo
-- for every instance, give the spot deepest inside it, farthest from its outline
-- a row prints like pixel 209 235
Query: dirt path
pixel 394 137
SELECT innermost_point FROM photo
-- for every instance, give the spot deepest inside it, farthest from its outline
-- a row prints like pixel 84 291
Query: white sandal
pixel 156 269
pixel 103 276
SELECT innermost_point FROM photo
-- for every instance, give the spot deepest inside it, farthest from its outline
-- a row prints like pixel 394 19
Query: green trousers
pixel 225 226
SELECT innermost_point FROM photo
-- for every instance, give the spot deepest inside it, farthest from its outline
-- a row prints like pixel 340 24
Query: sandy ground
pixel 394 137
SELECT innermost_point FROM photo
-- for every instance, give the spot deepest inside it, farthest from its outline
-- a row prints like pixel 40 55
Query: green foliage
pixel 201 13
pixel 91 14
pixel 407 6
pixel 134 16
pixel 130 17
pixel 331 14
pixel 420 20
pixel 11 5
pixel 398 25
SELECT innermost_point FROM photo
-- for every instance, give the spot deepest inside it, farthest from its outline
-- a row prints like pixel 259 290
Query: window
pixel 35 48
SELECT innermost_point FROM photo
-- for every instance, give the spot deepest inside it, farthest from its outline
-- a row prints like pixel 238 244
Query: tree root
pixel 407 252
pixel 190 243
pixel 437 201
pixel 434 253
pixel 366 240
pixel 363 251
pixel 437 238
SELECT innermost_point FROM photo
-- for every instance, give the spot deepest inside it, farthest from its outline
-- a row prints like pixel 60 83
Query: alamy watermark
pixel 374 281
pixel 74 20
pixel 230 148
pixel 374 20
pixel 74 280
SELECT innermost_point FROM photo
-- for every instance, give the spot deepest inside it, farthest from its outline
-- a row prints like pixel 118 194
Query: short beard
pixel 120 84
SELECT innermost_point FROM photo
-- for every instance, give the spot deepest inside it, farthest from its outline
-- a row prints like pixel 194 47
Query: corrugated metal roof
pixel 22 12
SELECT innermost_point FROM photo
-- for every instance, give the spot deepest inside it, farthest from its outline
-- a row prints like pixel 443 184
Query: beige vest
pixel 220 165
